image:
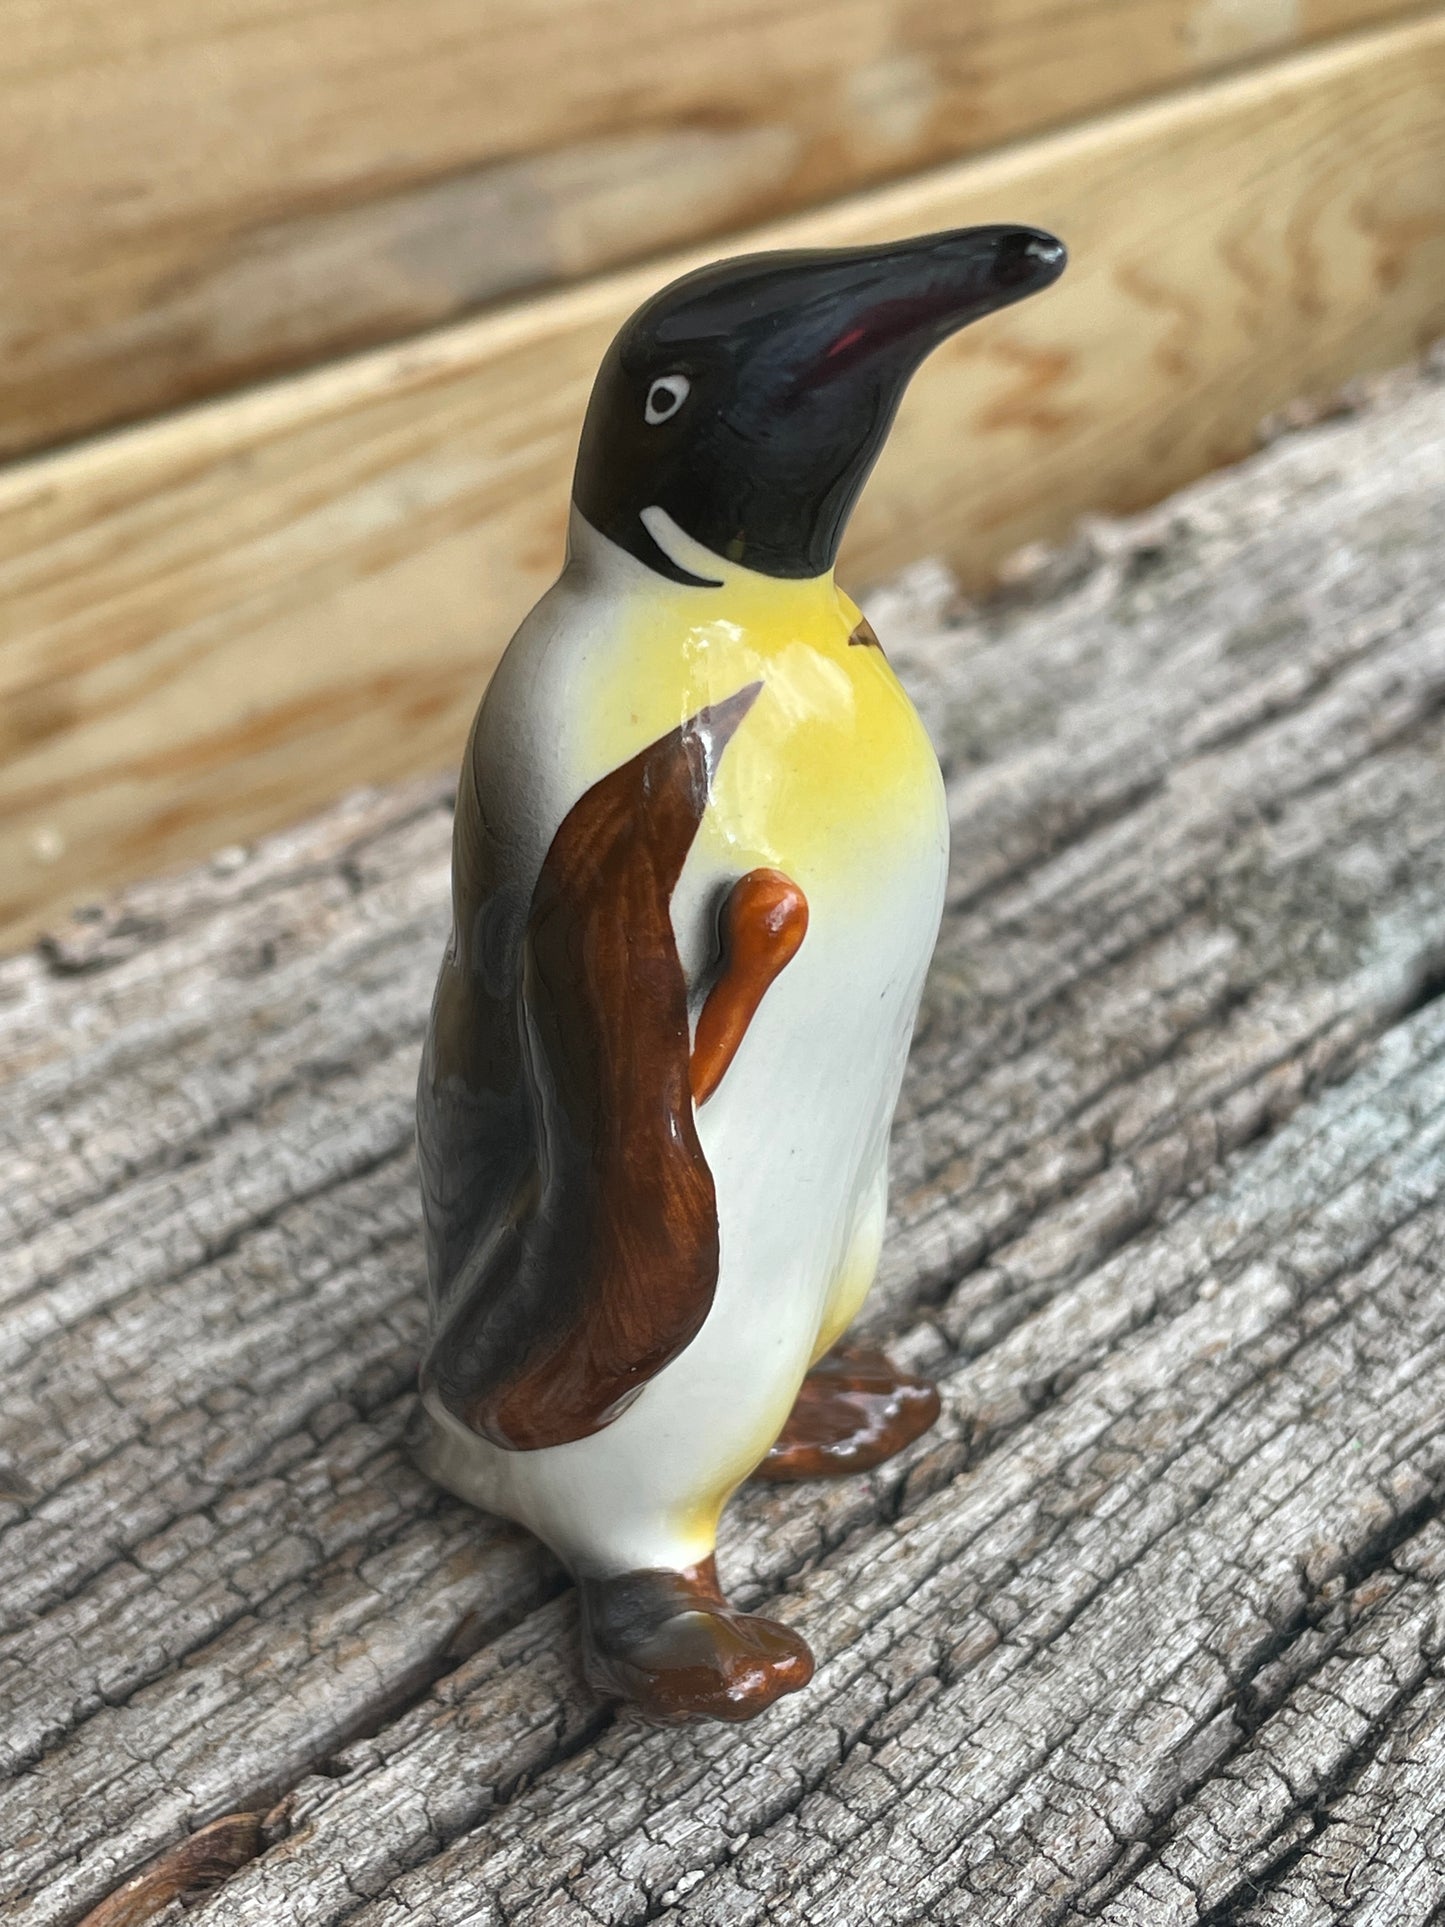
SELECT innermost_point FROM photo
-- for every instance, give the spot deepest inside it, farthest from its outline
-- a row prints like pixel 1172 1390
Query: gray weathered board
pixel 1151 1630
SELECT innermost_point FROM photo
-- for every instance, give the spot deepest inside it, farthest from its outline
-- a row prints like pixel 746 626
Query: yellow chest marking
pixel 831 768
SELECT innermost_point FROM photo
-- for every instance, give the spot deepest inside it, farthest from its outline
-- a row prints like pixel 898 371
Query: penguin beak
pixel 890 307
pixel 827 310
pixel 921 293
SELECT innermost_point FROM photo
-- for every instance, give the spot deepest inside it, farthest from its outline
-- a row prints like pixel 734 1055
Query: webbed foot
pixel 672 1645
pixel 854 1410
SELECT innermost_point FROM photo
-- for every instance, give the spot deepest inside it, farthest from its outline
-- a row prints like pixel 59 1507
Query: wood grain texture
pixel 1149 1630
pixel 217 622
pixel 202 193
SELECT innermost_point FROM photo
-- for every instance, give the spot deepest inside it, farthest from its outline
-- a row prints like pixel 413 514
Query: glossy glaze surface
pixel 854 1410
pixel 750 399
pixel 795 1133
pixel 670 1643
pixel 699 864
pixel 763 921
pixel 610 1268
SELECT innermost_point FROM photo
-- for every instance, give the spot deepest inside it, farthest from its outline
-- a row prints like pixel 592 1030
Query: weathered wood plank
pixel 216 623
pixel 1194 1385
pixel 1032 1665
pixel 1366 1654
pixel 225 189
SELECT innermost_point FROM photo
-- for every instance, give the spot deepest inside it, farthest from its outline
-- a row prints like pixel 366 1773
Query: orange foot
pixel 854 1411
pixel 672 1645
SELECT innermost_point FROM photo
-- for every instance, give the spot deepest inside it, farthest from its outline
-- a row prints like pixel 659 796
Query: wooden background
pixel 223 603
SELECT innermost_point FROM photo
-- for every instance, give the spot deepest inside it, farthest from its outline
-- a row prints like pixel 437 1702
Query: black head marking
pixel 748 401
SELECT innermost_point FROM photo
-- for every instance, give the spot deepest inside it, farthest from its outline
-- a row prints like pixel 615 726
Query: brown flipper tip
pixel 764 921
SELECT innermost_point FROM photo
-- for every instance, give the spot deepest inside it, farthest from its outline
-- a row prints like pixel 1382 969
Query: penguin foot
pixel 672 1645
pixel 854 1411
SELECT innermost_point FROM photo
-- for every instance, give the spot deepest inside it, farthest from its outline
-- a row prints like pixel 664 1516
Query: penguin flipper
pixel 605 1268
pixel 764 920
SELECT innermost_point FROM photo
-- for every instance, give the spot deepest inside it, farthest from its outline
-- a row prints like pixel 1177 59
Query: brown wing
pixel 604 1263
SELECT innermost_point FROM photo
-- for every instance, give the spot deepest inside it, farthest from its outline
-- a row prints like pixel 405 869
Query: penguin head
pixel 746 402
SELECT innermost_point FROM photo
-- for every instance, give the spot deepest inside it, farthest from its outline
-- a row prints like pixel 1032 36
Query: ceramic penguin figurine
pixel 698 871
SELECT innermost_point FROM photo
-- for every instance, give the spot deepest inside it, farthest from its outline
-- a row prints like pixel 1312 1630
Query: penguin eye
pixel 664 398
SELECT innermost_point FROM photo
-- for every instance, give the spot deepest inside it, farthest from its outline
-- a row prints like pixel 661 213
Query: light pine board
pixel 1149 1630
pixel 217 622
pixel 202 191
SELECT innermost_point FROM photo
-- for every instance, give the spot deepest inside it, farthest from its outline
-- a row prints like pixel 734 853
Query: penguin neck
pixel 726 591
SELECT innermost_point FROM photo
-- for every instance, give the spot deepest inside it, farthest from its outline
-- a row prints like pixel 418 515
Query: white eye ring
pixel 664 398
